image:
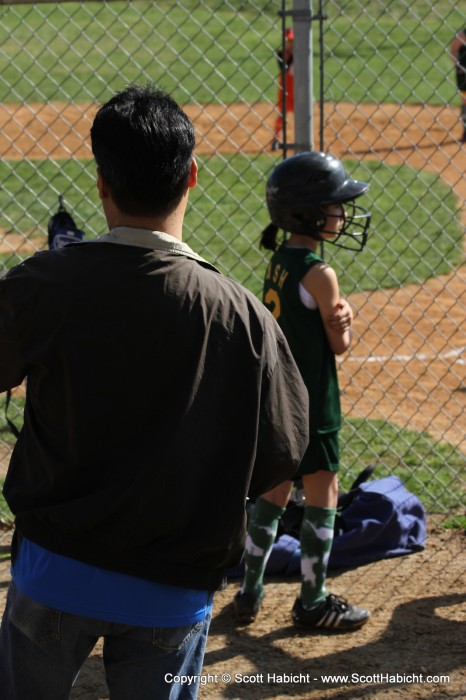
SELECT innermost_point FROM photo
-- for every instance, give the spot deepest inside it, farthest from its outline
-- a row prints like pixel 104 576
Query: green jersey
pixel 305 332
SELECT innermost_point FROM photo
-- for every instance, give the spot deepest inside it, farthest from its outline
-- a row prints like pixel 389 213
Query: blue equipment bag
pixel 375 520
pixel 62 229
pixel 381 519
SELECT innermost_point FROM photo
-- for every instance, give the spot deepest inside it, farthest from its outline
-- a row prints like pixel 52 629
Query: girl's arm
pixel 342 318
pixel 321 281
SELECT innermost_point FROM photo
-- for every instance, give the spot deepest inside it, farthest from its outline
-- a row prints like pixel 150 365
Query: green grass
pixel 29 193
pixel 434 471
pixel 208 52
pixel 455 522
pixel 396 57
pixel 124 42
pixel 415 231
pixel 227 214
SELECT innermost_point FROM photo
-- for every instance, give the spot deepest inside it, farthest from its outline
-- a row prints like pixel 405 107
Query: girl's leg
pixel 315 607
pixel 321 494
pixel 262 530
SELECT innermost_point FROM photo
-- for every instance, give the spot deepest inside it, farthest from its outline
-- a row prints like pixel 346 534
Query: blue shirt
pixel 80 589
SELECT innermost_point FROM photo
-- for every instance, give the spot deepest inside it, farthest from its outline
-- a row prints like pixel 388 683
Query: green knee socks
pixel 262 530
pixel 316 543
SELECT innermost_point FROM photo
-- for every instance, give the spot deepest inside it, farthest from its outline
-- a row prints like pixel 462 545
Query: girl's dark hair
pixel 269 237
pixel 143 143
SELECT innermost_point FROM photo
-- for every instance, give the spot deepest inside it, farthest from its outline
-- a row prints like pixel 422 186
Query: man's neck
pixel 164 225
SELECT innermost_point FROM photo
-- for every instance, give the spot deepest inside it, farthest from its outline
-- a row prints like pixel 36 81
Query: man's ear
pixel 102 188
pixel 192 182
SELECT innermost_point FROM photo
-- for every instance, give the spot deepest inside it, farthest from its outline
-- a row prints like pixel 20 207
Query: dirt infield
pixel 412 337
pixel 413 647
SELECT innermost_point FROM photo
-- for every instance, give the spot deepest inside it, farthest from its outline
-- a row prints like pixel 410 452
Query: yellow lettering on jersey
pixel 282 279
pixel 272 301
pixel 276 273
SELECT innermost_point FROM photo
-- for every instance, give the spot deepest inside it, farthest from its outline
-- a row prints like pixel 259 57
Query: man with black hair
pixel 160 394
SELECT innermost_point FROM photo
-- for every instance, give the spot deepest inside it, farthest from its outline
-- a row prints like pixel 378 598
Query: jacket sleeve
pixel 12 369
pixel 283 423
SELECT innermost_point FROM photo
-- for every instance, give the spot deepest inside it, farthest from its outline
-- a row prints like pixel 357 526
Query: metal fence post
pixel 303 83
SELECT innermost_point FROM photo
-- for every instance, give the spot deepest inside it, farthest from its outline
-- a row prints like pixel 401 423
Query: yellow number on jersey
pixel 272 301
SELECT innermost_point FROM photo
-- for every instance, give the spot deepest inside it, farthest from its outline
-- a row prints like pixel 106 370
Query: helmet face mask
pixel 298 190
pixel 354 229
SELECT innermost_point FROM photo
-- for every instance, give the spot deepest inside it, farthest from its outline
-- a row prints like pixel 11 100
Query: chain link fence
pixel 385 102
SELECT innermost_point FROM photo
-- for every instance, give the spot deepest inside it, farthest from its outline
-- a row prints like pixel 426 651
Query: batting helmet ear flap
pixel 312 222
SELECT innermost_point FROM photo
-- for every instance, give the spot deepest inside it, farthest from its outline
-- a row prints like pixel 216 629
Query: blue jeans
pixel 42 651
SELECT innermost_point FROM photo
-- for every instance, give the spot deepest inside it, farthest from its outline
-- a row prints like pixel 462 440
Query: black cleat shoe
pixel 247 606
pixel 334 613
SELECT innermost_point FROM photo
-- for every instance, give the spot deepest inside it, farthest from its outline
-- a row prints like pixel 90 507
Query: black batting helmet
pixel 300 186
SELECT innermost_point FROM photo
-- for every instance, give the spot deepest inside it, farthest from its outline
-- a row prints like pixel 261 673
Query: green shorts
pixel 323 453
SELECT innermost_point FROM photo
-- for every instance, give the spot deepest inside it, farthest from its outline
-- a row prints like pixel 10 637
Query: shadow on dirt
pixel 416 626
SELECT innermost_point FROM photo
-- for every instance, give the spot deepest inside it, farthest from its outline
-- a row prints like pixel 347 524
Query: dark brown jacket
pixel 159 395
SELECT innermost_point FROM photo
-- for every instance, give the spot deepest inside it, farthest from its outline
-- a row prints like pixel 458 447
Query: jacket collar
pixel 155 240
